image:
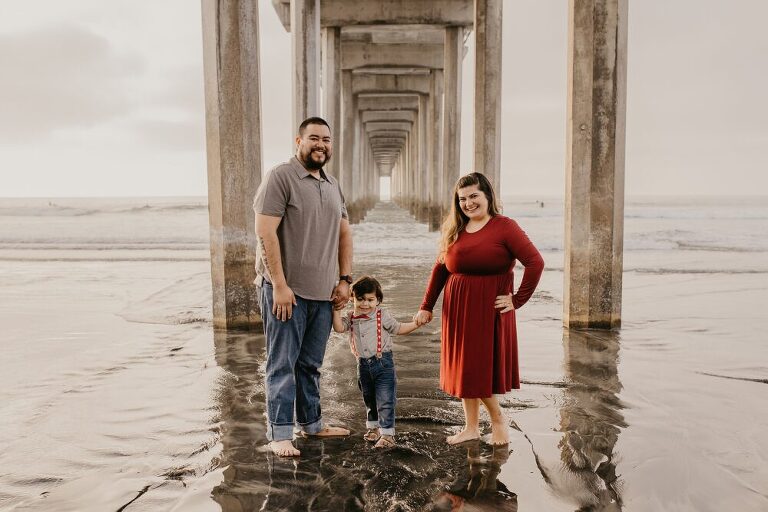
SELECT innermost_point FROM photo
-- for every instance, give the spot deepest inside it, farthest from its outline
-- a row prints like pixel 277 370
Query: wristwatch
pixel 348 279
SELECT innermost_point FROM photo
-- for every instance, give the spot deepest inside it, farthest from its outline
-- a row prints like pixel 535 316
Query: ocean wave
pixel 697 215
pixel 662 271
pixel 104 246
pixel 690 246
pixel 164 306
pixel 115 259
pixel 52 211
pixel 95 207
pixel 163 208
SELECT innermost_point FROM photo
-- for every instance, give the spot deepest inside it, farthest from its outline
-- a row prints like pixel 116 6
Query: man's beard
pixel 309 163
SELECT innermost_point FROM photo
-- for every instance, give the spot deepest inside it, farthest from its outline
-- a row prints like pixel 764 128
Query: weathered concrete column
pixel 366 171
pixel 233 143
pixel 408 171
pixel 454 53
pixel 376 179
pixel 435 172
pixel 422 212
pixel 357 164
pixel 332 90
pixel 411 168
pixel 348 110
pixel 305 51
pixel 373 189
pixel 488 44
pixel 594 210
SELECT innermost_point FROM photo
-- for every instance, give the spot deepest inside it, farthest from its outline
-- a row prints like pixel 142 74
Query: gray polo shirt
pixel 365 332
pixel 311 211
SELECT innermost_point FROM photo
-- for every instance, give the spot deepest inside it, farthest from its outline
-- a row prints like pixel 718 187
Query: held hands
pixel 505 303
pixel 340 295
pixel 283 301
pixel 422 317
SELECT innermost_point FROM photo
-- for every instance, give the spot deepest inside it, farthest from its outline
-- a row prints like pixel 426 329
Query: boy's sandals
pixel 372 435
pixel 385 442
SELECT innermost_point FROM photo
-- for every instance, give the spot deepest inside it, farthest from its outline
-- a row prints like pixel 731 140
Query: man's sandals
pixel 372 435
pixel 385 441
pixel 327 432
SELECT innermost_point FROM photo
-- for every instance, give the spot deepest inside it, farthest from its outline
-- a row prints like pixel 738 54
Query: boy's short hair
pixel 367 284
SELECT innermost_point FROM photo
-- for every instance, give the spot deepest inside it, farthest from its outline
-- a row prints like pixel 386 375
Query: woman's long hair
pixel 456 221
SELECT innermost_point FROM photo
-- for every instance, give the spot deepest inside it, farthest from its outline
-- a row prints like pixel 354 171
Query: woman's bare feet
pixel 284 448
pixel 463 436
pixel 499 433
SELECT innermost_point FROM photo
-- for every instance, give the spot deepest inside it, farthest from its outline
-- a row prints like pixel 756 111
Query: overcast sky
pixel 105 98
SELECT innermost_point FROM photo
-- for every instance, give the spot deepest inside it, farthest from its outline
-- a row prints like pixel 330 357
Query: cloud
pixel 187 135
pixel 182 90
pixel 61 77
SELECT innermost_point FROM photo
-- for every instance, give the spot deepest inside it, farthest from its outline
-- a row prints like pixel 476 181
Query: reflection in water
pixel 341 474
pixel 240 399
pixel 590 420
pixel 477 487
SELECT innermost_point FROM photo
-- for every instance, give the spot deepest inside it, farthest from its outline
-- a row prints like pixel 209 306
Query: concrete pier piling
pixel 594 212
pixel 233 143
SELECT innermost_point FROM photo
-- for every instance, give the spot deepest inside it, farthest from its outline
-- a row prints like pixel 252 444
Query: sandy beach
pixel 117 394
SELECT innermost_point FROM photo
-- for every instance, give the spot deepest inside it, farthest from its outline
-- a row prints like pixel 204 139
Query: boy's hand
pixel 422 317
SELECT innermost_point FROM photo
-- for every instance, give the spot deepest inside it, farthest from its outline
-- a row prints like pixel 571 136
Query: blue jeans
pixel 295 352
pixel 376 379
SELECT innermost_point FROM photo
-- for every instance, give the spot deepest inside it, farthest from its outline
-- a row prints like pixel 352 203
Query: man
pixel 304 262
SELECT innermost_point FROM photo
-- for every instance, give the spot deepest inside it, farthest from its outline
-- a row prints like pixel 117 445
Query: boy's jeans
pixel 295 352
pixel 377 380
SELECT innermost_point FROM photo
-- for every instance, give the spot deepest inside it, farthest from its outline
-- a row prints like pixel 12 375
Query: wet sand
pixel 125 398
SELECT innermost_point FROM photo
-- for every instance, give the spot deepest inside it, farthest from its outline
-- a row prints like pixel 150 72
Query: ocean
pixel 117 394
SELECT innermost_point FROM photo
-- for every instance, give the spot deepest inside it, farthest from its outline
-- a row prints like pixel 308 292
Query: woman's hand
pixel 422 317
pixel 505 303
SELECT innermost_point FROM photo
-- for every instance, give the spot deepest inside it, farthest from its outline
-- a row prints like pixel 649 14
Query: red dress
pixel 478 354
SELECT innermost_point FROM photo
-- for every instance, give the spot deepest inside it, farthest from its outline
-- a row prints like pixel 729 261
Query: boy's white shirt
pixel 365 335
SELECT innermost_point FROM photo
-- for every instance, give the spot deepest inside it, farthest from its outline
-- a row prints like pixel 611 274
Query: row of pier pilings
pixel 386 75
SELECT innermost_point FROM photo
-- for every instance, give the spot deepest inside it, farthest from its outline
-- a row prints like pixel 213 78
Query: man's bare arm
pixel 340 295
pixel 345 248
pixel 283 298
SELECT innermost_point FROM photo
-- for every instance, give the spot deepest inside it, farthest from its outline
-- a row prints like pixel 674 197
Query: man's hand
pixel 422 317
pixel 340 295
pixel 283 301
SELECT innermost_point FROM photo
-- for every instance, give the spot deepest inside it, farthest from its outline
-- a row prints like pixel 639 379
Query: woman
pixel 478 356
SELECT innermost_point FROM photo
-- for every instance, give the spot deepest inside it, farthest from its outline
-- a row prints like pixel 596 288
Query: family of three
pixel 304 271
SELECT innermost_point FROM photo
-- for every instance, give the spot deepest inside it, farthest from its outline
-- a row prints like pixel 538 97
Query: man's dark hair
pixel 367 284
pixel 311 120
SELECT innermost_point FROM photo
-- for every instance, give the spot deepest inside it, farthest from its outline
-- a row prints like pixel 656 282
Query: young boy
pixel 370 329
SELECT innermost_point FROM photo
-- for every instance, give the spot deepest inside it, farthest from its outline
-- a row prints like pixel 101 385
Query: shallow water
pixel 117 394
